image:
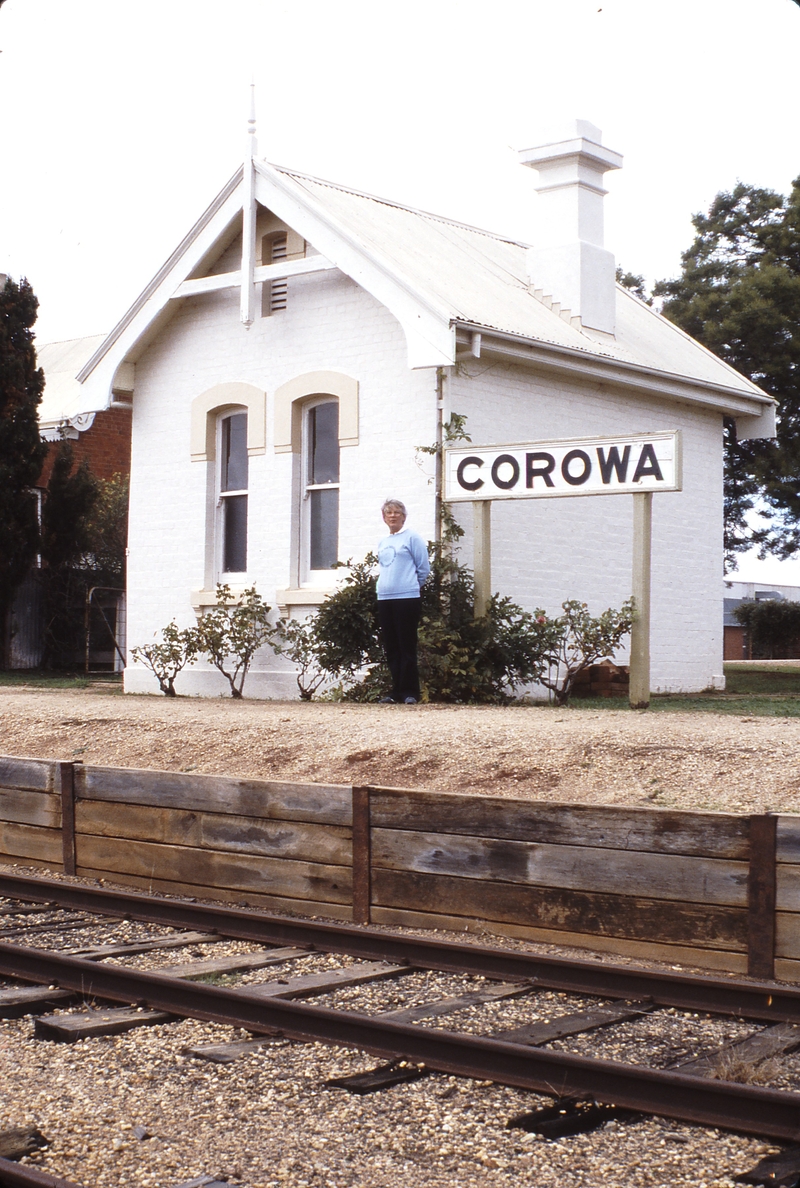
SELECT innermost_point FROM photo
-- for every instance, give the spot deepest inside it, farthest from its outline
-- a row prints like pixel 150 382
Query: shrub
pixel 231 633
pixel 297 639
pixel 773 626
pixel 460 658
pixel 579 639
pixel 167 659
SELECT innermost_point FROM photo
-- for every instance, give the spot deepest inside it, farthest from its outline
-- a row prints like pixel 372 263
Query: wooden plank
pixel 26 1000
pixel 635 918
pixel 761 898
pixel 577 868
pixel 67 1029
pixel 29 841
pixel 698 958
pixel 328 804
pixel 770 1041
pixel 34 774
pixel 134 948
pixel 312 985
pixel 304 908
pixel 212 868
pixel 235 963
pixel 30 808
pixel 228 1053
pixel 448 1006
pixel 399 1072
pixel 661 831
pixel 20 1141
pixel 787 841
pixel 65 787
pixel 216 831
pixel 362 861
pixel 576 1023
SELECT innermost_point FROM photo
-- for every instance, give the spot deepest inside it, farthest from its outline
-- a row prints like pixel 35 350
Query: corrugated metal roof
pixel 482 279
pixel 63 396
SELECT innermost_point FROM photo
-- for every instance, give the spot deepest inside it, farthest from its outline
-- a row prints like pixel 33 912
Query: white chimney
pixel 570 264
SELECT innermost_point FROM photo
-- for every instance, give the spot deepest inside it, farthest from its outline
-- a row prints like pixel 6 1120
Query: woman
pixel 404 566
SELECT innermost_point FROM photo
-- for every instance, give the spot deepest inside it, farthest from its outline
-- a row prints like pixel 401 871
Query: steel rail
pixel 18 1175
pixel 737 997
pixel 709 1102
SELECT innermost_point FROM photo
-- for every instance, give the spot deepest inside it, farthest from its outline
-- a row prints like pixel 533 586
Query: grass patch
pixel 742 705
pixel 57 680
pixel 762 680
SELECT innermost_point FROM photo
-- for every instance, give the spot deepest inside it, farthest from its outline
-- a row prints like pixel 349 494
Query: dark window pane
pixel 234 453
pixel 323 441
pixel 235 542
pixel 324 528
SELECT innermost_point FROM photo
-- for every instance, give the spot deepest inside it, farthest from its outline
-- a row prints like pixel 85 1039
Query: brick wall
pixel 106 447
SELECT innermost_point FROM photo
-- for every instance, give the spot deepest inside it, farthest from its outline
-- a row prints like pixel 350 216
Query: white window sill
pixel 304 596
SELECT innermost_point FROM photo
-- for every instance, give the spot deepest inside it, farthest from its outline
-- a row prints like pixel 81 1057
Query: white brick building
pixel 292 295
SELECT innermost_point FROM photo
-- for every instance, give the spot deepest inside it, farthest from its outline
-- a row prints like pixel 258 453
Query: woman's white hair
pixel 394 503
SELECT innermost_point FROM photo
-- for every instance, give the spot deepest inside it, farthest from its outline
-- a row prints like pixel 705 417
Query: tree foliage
pixel 773 626
pixel 21 450
pixel 71 497
pixel 739 294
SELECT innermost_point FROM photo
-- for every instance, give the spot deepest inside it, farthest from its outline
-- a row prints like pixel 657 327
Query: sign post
pixel 637 465
pixel 640 631
pixel 482 554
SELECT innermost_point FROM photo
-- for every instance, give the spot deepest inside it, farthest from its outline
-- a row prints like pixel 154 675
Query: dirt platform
pixel 585 754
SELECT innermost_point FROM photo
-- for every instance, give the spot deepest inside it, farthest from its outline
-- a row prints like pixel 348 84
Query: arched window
pixel 232 492
pixel 320 529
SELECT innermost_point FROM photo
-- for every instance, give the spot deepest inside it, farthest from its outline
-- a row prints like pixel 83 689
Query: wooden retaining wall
pixel 714 890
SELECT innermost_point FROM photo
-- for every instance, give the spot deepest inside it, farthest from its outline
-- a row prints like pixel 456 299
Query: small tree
pixel 297 639
pixel 580 639
pixel 167 659
pixel 22 452
pixel 231 633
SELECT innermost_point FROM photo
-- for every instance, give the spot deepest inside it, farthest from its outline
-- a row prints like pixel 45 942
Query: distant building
pixel 304 339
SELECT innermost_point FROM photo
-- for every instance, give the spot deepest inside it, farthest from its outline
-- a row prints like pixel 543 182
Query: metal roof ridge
pixel 426 214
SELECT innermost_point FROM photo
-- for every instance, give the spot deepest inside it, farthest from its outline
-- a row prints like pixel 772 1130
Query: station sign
pixel 552 469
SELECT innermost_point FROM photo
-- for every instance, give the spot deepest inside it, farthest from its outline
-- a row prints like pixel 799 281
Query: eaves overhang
pixel 161 276
pixel 602 369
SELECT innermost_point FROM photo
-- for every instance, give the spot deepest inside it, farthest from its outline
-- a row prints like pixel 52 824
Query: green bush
pixel 773 626
pixel 231 633
pixel 165 660
pixel 580 639
pixel 461 658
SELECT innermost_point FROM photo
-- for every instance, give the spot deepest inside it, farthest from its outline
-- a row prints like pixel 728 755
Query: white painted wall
pixel 545 551
pixel 330 323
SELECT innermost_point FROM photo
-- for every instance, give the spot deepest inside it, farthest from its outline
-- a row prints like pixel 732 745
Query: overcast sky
pixel 120 122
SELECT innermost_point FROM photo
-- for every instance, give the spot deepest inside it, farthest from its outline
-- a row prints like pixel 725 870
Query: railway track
pixel 523 1020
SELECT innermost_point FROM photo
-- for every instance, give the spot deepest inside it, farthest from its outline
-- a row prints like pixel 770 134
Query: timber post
pixel 761 897
pixel 640 631
pixel 362 857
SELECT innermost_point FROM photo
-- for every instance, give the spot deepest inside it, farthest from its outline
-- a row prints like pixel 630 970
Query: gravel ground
pixel 268 1120
pixel 686 760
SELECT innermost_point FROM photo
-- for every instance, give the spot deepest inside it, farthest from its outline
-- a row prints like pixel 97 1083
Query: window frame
pixel 222 496
pixel 315 578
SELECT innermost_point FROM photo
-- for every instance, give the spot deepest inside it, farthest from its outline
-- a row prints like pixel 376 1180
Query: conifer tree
pixel 22 452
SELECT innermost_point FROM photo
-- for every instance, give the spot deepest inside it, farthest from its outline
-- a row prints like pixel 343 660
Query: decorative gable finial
pixel 252 143
pixel 248 300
